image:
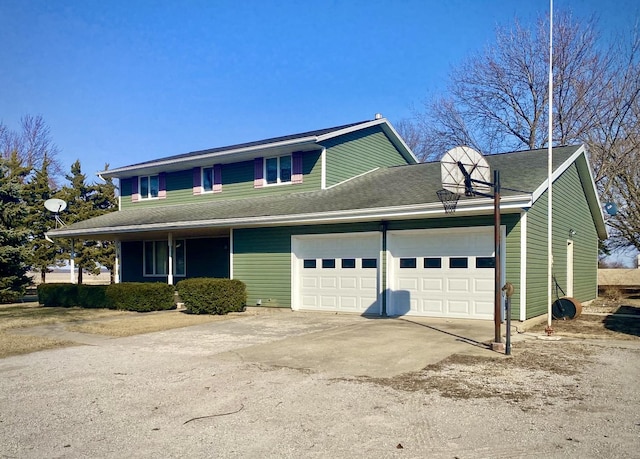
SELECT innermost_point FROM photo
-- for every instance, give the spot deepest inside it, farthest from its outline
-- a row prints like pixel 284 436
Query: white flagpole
pixel 550 173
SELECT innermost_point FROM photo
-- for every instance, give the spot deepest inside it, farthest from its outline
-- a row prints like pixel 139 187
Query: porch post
pixel 116 264
pixel 170 246
pixel 72 263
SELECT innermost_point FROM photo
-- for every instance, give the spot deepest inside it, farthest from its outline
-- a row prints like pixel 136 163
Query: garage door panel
pixel 432 285
pixel 328 302
pixel 348 302
pixel 458 285
pixel 458 307
pixel 341 281
pixel 367 303
pixel 432 306
pixel 484 308
pixel 368 283
pixel 443 280
pixel 484 285
pixel 407 284
pixel 310 301
pixel 328 282
pixel 309 282
pixel 348 282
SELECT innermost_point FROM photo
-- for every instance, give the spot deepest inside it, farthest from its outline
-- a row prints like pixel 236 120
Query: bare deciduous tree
pixel 497 101
pixel 33 144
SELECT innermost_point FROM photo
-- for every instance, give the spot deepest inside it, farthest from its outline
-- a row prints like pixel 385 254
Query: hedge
pixel 141 296
pixel 61 295
pixel 133 296
pixel 212 296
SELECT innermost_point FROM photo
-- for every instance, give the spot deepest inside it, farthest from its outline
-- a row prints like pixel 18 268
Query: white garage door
pixel 336 272
pixel 442 273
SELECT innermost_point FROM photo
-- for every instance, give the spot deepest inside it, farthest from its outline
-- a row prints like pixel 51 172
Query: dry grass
pixel 93 321
pixel 144 323
pixel 32 315
pixel 25 344
pixel 535 374
pixel 602 319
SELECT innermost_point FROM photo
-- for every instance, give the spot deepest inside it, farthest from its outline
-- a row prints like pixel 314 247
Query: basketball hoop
pixel 449 200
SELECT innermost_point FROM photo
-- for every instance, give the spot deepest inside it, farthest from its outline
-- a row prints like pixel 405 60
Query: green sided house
pixel 345 219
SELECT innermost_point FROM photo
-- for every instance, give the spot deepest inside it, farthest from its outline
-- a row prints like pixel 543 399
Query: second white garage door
pixel 442 273
pixel 336 272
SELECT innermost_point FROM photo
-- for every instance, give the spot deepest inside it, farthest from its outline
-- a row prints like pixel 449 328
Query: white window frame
pixel 148 177
pixel 175 258
pixel 279 180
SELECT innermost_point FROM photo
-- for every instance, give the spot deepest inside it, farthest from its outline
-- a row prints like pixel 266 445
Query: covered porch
pixel 170 256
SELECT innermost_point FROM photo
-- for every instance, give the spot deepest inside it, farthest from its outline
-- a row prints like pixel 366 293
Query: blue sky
pixel 126 81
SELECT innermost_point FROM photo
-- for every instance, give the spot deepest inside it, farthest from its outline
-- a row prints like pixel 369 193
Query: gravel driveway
pixel 194 392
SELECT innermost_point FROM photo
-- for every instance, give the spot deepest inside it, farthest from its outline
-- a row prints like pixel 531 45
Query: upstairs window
pixel 211 179
pixel 207 179
pixel 149 187
pixel 278 170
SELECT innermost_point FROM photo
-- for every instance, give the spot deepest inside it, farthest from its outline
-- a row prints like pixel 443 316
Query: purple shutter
pixel 197 180
pixel 296 167
pixel 217 178
pixel 162 185
pixel 135 193
pixel 258 172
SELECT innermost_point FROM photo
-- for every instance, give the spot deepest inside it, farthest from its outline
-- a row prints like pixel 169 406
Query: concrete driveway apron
pixel 345 345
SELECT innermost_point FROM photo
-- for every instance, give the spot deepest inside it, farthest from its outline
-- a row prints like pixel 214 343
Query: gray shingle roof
pixel 262 143
pixel 386 188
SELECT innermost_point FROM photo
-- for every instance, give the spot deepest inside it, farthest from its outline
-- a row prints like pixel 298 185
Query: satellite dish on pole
pixel 477 167
pixel 56 206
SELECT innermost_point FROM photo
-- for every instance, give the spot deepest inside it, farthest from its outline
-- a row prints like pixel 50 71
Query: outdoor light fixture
pixel 572 232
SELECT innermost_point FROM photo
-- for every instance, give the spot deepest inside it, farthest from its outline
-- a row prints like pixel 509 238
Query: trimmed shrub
pixel 212 296
pixel 141 296
pixel 59 295
pixel 94 296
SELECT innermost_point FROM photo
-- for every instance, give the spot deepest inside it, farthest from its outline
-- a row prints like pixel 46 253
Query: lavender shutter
pixel 135 193
pixel 296 167
pixel 258 172
pixel 217 178
pixel 162 185
pixel 197 180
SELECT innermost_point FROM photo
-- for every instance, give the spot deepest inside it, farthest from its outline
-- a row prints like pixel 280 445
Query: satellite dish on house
pixel 55 205
pixel 610 208
pixel 453 178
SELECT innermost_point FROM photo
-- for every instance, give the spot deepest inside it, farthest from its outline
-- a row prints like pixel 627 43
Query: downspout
pixel 383 270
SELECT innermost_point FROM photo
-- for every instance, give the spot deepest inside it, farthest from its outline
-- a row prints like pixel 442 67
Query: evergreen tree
pixel 104 201
pixel 85 201
pixel 42 254
pixel 13 236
